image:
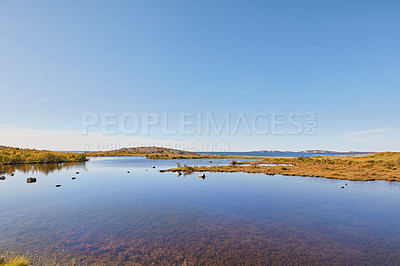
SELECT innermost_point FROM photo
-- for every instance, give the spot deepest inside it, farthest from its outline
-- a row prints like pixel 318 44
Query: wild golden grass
pixel 10 156
pixel 14 261
pixel 18 256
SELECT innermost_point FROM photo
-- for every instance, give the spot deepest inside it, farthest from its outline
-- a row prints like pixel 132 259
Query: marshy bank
pixel 13 156
pixel 369 167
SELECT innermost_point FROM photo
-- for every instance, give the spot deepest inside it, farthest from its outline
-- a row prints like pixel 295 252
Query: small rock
pixel 31 180
pixel 202 176
pixel 2 177
pixel 128 172
pixel 77 173
pixel 177 173
pixel 73 178
pixel 342 187
pixel 210 161
pixel 345 184
pixel 153 166
pixel 12 174
pixel 58 185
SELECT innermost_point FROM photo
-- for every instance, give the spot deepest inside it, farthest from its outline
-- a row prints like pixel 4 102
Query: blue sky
pixel 339 59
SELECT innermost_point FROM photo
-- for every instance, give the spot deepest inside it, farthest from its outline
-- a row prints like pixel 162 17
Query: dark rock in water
pixel 153 166
pixel 210 161
pixel 31 180
pixel 12 174
pixel 342 187
pixel 146 169
pixel 58 185
pixel 2 177
pixel 345 184
pixel 128 172
pixel 178 173
pixel 202 176
pixel 73 178
pixel 77 173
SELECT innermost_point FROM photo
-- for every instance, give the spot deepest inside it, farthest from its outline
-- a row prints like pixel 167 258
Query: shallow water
pixel 107 216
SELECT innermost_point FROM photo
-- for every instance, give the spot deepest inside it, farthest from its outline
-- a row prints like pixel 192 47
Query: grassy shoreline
pixel 368 167
pixel 14 156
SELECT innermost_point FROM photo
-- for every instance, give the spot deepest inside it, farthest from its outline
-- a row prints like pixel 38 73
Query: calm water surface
pixel 107 216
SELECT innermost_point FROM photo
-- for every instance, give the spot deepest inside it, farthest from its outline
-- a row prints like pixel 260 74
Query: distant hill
pixel 143 150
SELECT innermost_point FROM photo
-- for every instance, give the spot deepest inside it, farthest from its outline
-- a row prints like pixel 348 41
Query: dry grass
pixel 13 156
pixel 20 257
pixel 14 261
pixel 378 166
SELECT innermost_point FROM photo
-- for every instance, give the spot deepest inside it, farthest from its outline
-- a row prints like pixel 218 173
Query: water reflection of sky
pixel 145 216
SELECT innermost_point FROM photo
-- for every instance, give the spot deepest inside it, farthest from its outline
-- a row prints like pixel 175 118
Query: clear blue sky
pixel 340 59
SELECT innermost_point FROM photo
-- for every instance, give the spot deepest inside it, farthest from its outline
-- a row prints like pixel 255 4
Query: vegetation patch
pixel 9 155
pixel 14 261
pixel 368 167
